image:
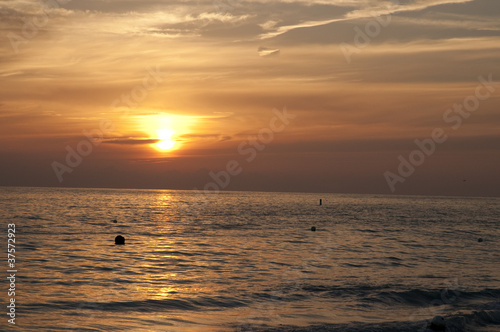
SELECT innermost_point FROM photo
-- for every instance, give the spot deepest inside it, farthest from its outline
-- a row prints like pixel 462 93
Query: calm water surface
pixel 241 261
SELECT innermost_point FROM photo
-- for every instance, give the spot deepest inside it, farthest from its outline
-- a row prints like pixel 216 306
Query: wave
pixel 30 217
pixel 199 303
pixel 388 294
pixel 454 323
pixel 417 297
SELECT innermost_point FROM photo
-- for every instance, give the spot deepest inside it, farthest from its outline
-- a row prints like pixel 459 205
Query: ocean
pixel 248 261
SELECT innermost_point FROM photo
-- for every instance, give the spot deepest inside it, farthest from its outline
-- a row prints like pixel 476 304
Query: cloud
pixel 130 141
pixel 67 77
pixel 194 18
pixel 364 10
pixel 217 137
pixel 267 52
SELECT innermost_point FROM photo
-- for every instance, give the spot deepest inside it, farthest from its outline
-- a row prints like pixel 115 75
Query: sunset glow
pixel 181 87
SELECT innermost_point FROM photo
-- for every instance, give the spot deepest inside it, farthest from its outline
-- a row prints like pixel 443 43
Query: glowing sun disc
pixel 165 144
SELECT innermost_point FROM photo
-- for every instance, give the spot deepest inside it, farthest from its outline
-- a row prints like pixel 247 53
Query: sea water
pixel 248 261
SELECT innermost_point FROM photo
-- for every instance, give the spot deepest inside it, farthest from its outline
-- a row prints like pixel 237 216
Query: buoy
pixel 115 221
pixel 119 239
pixel 313 229
pixel 438 324
pixel 480 239
pixel 320 201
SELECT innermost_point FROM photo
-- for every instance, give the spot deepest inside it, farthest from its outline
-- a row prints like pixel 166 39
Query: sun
pixel 166 131
pixel 165 145
pixel 165 142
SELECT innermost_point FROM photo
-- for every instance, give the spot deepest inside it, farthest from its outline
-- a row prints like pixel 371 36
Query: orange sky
pixel 205 77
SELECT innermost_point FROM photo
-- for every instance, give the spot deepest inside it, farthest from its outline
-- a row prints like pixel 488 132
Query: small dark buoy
pixel 313 229
pixel 320 201
pixel 119 239
pixel 480 239
pixel 115 221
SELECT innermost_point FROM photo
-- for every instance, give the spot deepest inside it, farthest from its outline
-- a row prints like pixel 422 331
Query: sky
pixel 344 96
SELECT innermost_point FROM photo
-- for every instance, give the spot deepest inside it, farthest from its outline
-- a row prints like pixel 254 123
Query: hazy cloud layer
pixel 213 71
